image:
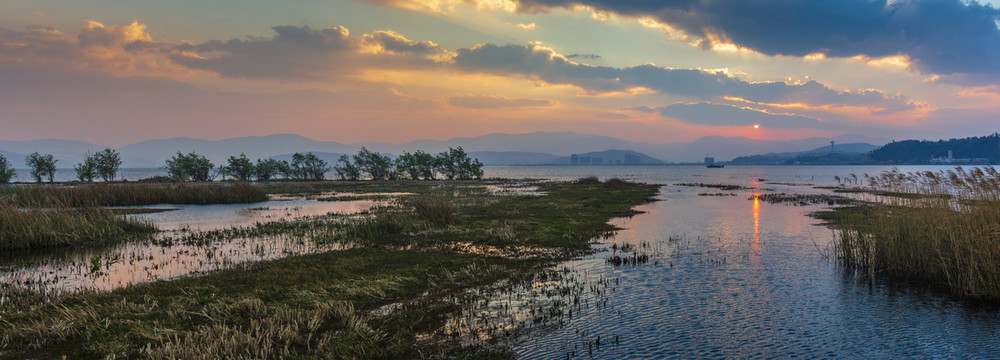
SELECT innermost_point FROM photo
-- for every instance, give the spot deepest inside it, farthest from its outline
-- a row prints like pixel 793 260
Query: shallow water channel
pixel 105 268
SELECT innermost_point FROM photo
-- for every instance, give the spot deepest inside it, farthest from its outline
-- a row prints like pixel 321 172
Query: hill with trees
pixel 971 150
pixel 854 153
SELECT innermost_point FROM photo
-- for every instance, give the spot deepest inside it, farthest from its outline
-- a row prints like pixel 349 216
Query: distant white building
pixel 950 159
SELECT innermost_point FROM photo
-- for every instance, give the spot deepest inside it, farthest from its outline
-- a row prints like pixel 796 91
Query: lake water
pixel 734 277
pixel 724 277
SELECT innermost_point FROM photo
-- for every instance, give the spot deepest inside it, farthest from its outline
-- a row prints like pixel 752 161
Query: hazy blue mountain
pixel 566 143
pixel 499 148
pixel 489 158
pixel 15 159
pixel 493 149
pixel 155 152
pixel 330 158
pixel 611 157
pixel 66 152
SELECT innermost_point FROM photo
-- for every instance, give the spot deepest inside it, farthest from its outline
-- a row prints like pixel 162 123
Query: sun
pixel 756 126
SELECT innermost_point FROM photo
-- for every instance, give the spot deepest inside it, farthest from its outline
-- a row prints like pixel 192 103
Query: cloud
pixel 725 115
pixel 299 53
pixel 642 108
pixel 302 53
pixel 116 49
pixel 494 102
pixel 531 26
pixel 614 116
pixel 541 63
pixel 446 6
pixel 938 36
pixel 584 56
pixel 536 62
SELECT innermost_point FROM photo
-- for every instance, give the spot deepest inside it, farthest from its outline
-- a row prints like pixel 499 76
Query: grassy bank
pixel 945 233
pixel 332 305
pixel 132 194
pixel 311 306
pixel 33 228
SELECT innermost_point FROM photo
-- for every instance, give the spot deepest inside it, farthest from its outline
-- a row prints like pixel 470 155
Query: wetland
pixel 561 263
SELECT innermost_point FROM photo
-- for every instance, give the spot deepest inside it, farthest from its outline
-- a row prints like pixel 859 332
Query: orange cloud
pixel 121 50
pixel 495 102
pixel 446 6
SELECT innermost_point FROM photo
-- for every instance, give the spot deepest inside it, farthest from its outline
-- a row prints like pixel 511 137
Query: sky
pixel 118 72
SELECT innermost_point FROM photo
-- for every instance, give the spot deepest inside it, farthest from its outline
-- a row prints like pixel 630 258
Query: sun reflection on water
pixel 755 244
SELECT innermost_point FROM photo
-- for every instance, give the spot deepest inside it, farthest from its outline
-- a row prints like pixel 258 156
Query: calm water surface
pixel 730 277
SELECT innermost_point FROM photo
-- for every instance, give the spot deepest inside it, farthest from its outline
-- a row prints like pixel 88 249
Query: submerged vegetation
pixel 945 234
pixel 421 258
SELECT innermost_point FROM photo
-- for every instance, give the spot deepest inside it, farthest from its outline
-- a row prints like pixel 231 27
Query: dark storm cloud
pixel 940 36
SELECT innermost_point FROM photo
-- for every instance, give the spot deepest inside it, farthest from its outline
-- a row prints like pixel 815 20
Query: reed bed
pixel 390 299
pixel 436 210
pixel 132 194
pixel 945 232
pixel 31 228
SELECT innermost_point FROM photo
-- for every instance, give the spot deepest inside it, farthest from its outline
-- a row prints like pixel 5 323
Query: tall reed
pixel 32 228
pixel 944 231
pixel 132 194
pixel 434 209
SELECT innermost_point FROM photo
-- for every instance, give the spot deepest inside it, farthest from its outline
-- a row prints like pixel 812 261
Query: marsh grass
pixel 944 233
pixel 378 301
pixel 435 210
pixel 32 228
pixel 320 306
pixel 132 194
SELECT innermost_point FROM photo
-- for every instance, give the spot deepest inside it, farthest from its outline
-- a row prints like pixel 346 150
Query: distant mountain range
pixel 609 157
pixel 493 149
pixel 66 152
